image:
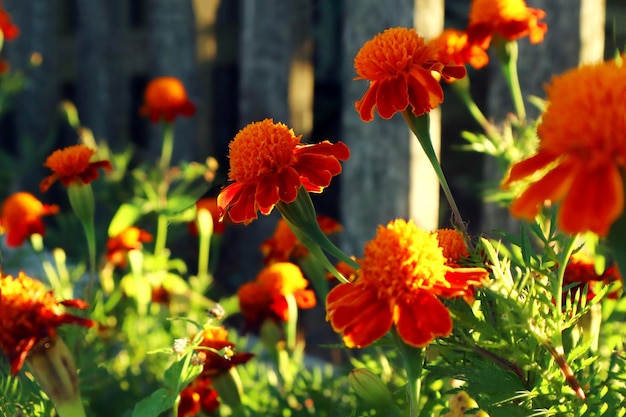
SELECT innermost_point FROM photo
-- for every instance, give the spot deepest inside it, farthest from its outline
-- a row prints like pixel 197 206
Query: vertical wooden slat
pixel 102 81
pixel 270 34
pixel 424 186
pixel 172 52
pixel 375 180
pixel 36 107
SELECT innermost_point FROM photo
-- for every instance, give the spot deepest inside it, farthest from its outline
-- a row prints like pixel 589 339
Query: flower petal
pixel 358 313
pixel 421 318
pixel 366 105
pixel 528 167
pixel 594 202
pixel 392 96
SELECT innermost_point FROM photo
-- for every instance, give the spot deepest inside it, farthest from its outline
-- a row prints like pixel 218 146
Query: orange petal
pixel 359 314
pixel 365 106
pixel 594 202
pixel 553 187
pixel 421 318
pixel 528 166
pixel 425 93
pixel 392 96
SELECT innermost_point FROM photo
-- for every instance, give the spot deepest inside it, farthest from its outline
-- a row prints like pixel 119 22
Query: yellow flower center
pixel 401 259
pixel 260 148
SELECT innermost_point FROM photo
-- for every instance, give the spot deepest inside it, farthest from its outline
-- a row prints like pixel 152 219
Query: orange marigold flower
pixel 284 246
pixel 72 164
pixel 165 98
pixel 268 164
pixel 198 395
pixel 265 297
pixel 215 364
pixel 127 240
pixel 398 63
pixel 402 274
pixel 580 271
pixel 209 204
pixel 511 19
pixel 452 45
pixel 452 243
pixel 582 146
pixel 21 217
pixel 8 29
pixel 28 314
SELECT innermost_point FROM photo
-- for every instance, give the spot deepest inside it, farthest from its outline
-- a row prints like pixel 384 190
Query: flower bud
pixel 370 387
pixel 54 368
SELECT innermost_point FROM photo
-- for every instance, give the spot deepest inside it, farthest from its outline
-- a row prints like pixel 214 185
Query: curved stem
pixel 420 126
pixel 507 52
pixel 413 360
pixel 168 146
pixel 462 89
pixel 161 235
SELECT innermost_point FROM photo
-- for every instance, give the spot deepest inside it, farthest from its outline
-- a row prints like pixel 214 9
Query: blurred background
pixel 245 60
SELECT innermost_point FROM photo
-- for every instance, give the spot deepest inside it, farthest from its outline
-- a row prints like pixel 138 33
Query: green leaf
pixel 526 246
pixel 161 400
pixel 125 217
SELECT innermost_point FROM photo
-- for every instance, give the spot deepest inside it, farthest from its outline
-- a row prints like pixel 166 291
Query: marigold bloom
pixel 21 217
pixel 165 98
pixel 284 246
pixel 452 243
pixel 128 239
pixel 402 274
pixel 8 29
pixel 28 314
pixel 209 204
pixel 452 45
pixel 582 151
pixel 268 164
pixel 72 164
pixel 214 364
pixel 198 395
pixel 580 271
pixel 398 63
pixel 511 19
pixel 265 297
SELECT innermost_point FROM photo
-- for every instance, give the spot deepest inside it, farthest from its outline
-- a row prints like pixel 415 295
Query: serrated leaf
pixel 525 245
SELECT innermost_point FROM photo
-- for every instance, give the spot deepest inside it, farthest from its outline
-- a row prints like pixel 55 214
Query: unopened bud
pixel 54 368
pixel 370 387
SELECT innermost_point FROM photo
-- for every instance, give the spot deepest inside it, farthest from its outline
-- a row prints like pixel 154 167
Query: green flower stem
pixel 82 201
pixel 557 288
pixel 291 326
pixel 301 215
pixel 413 360
pixel 164 164
pixel 420 126
pixel 555 344
pixel 507 52
pixel 168 146
pixel 161 235
pixel 462 89
pixel 204 222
